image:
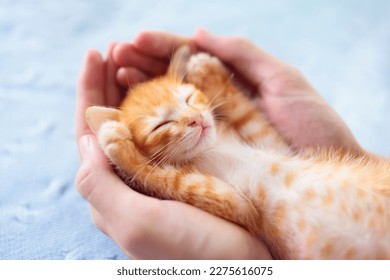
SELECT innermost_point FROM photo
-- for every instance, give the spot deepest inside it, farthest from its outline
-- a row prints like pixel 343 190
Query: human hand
pixel 145 227
pixel 291 104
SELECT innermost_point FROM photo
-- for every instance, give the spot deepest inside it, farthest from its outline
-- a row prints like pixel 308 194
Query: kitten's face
pixel 170 122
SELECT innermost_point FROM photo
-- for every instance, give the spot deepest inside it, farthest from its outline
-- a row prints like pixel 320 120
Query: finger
pixel 253 63
pixel 99 185
pixel 159 44
pixel 129 76
pixel 126 55
pixel 113 95
pixel 90 89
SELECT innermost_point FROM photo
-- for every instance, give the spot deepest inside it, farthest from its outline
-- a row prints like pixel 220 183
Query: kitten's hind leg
pixel 209 75
pixel 205 192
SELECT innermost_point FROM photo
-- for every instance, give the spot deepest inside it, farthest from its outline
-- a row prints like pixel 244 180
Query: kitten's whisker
pixel 178 144
pixel 129 85
pixel 141 167
pixel 157 153
pixel 159 163
pixel 163 160
pixel 187 70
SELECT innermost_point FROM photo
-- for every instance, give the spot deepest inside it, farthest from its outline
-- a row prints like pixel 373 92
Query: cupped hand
pixel 144 227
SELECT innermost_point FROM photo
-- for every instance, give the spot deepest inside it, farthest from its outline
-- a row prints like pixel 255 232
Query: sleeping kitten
pixel 204 143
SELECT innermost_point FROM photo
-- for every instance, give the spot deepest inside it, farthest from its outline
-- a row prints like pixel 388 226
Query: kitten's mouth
pixel 204 129
pixel 202 133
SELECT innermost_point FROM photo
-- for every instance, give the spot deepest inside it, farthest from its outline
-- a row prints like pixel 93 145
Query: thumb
pixel 94 165
pixel 95 180
pixel 90 152
pixel 246 58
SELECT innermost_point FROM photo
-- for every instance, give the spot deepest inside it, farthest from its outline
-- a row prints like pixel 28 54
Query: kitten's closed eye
pixel 161 124
pixel 190 99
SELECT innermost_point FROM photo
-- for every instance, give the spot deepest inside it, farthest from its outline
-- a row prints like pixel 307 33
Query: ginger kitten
pixel 192 136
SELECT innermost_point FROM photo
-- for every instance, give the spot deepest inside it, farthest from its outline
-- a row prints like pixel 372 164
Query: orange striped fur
pixel 192 136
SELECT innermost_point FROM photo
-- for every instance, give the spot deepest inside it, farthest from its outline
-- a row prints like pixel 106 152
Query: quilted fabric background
pixel 343 48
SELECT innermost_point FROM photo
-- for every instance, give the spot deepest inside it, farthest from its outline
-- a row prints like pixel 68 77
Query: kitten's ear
pixel 178 65
pixel 97 115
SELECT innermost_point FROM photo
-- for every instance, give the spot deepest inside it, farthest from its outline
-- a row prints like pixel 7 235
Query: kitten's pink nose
pixel 198 121
pixel 195 123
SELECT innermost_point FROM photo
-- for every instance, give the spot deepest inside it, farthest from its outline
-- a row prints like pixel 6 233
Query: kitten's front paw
pixel 110 134
pixel 116 141
pixel 204 69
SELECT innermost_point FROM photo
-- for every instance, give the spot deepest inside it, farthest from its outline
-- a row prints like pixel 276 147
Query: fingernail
pixel 85 145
